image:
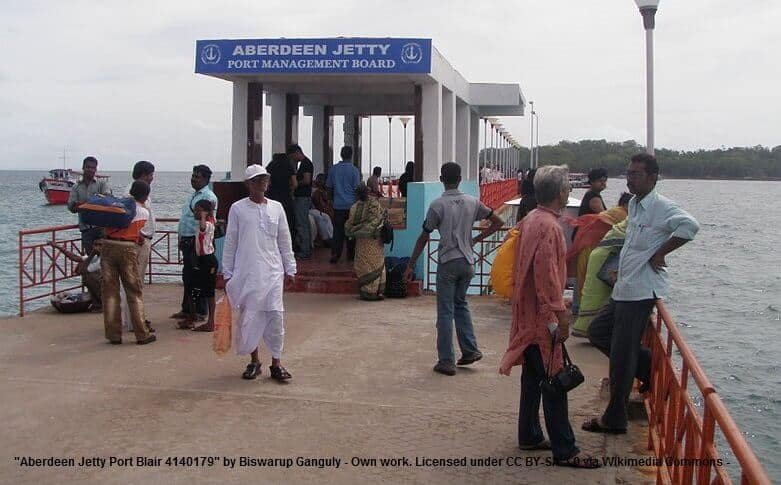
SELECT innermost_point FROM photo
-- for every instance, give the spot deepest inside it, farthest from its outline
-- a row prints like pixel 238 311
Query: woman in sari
pixel 596 292
pixel 364 224
pixel 589 230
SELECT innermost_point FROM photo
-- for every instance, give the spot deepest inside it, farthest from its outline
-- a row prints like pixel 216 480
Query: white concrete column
pixel 318 133
pixel 239 121
pixel 463 140
pixel 448 125
pixel 348 129
pixel 431 128
pixel 474 145
pixel 278 105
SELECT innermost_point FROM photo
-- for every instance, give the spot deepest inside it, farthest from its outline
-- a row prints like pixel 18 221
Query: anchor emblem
pixel 411 53
pixel 210 54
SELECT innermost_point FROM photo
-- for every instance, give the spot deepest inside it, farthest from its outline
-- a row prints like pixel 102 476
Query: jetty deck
pixel 362 388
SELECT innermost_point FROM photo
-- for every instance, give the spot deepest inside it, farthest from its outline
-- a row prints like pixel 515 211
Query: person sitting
pixel 88 267
pixel 364 224
pixel 322 212
pixel 406 178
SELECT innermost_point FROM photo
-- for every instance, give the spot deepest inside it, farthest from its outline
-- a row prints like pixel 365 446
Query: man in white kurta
pixel 257 257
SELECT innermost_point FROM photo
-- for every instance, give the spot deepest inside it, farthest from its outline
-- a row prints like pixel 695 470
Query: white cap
pixel 254 171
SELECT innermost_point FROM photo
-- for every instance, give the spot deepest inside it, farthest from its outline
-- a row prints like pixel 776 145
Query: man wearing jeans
pixel 453 214
pixel 656 227
pixel 302 201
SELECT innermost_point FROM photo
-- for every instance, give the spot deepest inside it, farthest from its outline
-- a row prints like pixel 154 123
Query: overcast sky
pixel 115 79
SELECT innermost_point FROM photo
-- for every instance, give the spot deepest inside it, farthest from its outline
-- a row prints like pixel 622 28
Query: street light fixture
pixel 531 134
pixel 648 11
pixel 404 120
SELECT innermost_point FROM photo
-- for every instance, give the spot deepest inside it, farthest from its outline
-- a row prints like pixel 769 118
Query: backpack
pixel 395 284
pixel 108 211
pixel 502 277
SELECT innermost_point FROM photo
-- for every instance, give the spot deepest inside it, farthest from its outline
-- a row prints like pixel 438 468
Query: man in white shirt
pixel 257 259
pixel 656 227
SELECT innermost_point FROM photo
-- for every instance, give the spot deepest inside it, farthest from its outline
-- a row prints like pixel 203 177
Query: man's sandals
pixel 278 373
pixel 594 425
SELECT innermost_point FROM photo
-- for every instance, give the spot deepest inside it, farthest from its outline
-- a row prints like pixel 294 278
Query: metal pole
pixel 649 82
pixel 370 141
pixel 485 141
pixel 390 120
pixel 531 135
pixel 537 142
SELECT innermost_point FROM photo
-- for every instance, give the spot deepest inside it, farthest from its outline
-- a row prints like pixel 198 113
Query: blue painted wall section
pixel 419 197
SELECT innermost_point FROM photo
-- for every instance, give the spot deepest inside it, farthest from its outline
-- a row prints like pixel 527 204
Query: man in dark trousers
pixel 302 200
pixel 657 226
pixel 188 227
pixel 342 180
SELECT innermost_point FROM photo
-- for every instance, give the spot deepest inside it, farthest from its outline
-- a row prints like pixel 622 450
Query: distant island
pixel 752 163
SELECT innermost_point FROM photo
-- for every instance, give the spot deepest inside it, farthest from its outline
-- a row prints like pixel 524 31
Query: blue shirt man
pixel 342 180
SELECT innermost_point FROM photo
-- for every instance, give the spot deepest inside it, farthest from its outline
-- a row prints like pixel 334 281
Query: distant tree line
pixel 756 162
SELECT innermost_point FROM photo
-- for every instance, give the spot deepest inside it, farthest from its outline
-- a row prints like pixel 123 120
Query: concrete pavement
pixel 362 389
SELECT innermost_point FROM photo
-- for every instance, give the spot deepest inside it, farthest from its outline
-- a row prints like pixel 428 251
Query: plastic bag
pixel 502 278
pixel 223 321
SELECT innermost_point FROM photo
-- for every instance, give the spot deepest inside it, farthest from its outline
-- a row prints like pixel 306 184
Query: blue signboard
pixel 308 56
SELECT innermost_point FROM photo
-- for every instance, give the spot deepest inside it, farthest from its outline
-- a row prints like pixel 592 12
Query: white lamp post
pixel 648 11
pixel 390 120
pixel 404 120
pixel 531 134
pixel 494 122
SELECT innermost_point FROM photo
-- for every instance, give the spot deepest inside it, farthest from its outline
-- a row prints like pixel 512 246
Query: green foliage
pixel 756 162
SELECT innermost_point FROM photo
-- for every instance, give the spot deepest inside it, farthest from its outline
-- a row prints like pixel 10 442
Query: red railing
pixel 494 194
pixel 45 271
pixel 678 434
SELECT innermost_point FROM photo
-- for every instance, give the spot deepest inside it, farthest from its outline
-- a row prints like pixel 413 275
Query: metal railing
pixel 45 271
pixel 494 194
pixel 483 252
pixel 681 437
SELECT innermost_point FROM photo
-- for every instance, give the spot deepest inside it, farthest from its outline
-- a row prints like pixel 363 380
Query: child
pixel 118 263
pixel 89 267
pixel 205 267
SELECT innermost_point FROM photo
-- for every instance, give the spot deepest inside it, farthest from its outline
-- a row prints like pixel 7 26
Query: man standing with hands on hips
pixel 656 227
pixel 257 259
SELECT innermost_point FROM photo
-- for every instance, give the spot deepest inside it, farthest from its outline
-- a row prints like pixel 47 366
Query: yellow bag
pixel 223 320
pixel 502 278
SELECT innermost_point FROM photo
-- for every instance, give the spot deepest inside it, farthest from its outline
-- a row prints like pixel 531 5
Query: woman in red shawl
pixel 539 317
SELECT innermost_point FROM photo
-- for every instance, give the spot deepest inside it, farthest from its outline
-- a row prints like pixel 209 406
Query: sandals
pixel 542 445
pixel 279 373
pixel 184 325
pixel 595 426
pixel 253 371
pixel 579 460
pixel 203 328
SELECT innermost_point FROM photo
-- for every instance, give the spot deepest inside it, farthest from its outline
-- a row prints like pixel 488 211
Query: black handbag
pixel 567 379
pixel 386 231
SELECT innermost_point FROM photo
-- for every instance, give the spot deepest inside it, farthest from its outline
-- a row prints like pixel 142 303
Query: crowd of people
pixel 270 229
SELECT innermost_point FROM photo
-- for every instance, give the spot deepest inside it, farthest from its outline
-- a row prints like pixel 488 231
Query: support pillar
pixel 352 136
pixel 448 126
pixel 322 138
pixel 474 145
pixel 463 139
pixel 278 102
pixel 431 130
pixel 255 124
pixel 239 122
pixel 291 119
pixel 418 135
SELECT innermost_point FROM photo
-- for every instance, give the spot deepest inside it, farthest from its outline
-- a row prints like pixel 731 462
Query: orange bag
pixel 223 321
pixel 502 277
